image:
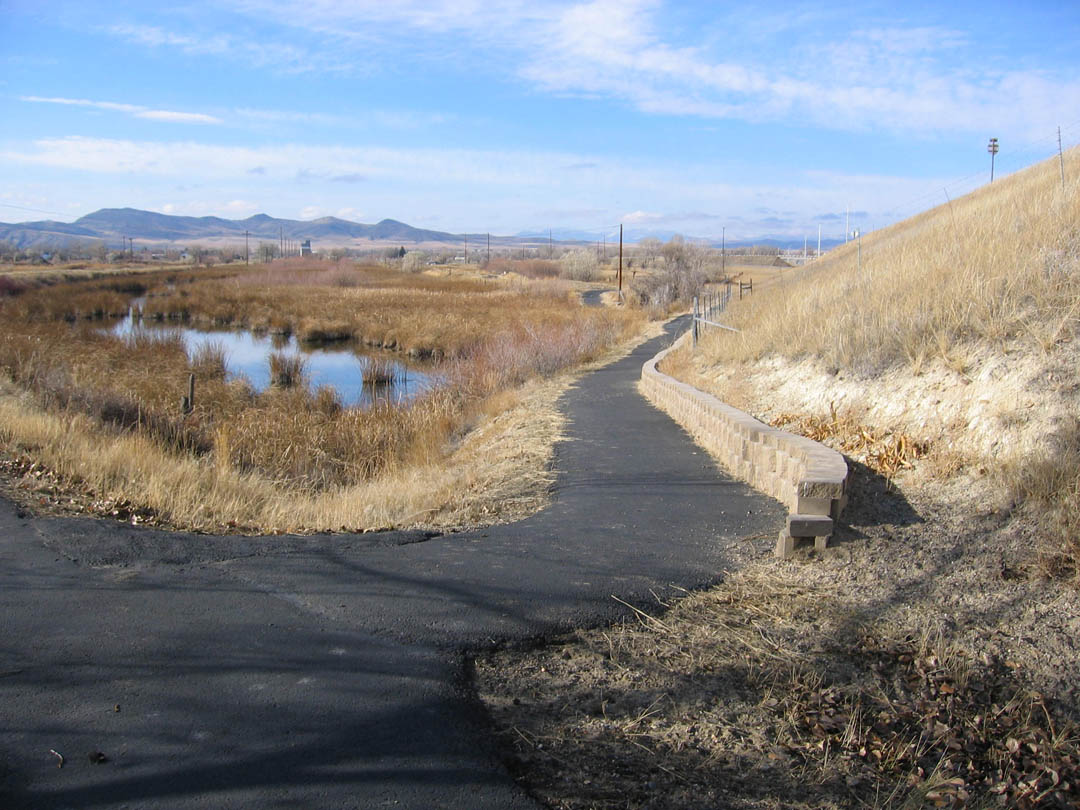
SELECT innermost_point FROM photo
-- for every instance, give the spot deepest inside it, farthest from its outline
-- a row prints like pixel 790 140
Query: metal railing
pixel 709 304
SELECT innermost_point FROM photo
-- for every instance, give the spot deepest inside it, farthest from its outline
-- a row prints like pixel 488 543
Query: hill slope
pixel 947 369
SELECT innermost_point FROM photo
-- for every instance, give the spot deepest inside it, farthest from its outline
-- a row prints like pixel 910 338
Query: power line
pixel 36 210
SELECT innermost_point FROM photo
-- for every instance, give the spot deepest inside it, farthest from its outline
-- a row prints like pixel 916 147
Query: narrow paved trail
pixel 329 671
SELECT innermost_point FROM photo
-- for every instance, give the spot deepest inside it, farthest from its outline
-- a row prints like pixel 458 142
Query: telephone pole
pixel 620 261
pixel 992 148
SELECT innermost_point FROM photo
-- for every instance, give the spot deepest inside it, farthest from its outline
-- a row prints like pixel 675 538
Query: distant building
pixel 305 247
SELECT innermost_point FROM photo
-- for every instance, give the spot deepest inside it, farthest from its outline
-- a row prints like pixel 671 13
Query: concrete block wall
pixel 809 478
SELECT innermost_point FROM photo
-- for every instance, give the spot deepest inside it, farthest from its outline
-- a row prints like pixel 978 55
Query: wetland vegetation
pixel 100 407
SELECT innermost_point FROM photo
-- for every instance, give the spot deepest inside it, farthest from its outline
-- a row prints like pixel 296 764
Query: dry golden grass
pixel 767 692
pixel 995 266
pixel 960 330
pixel 289 457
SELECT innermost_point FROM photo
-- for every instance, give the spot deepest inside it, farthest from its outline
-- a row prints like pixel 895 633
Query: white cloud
pixel 286 162
pixel 640 217
pixel 353 214
pixel 178 117
pixel 280 55
pixel 519 188
pixel 860 76
pixel 229 209
pixel 170 116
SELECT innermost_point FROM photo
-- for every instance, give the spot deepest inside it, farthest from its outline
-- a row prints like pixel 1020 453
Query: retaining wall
pixel 809 478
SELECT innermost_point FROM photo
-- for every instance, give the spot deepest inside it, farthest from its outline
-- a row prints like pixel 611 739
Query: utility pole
pixel 620 261
pixel 992 148
pixel 723 251
pixel 1061 162
pixel 466 248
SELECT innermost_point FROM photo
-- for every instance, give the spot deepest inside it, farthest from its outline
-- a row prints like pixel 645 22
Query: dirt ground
pixel 922 660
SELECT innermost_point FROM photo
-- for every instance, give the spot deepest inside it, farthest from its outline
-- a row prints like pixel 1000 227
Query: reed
pixel 108 399
pixel 287 370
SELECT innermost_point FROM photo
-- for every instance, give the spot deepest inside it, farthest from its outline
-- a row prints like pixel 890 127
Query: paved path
pixel 330 671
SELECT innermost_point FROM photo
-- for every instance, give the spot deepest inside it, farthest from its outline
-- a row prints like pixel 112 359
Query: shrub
pixel 580 265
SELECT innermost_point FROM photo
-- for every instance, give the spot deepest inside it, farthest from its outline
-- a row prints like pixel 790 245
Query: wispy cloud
pixel 280 55
pixel 679 195
pixel 905 79
pixel 170 116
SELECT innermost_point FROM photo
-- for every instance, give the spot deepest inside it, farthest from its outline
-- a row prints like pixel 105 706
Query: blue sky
pixel 511 116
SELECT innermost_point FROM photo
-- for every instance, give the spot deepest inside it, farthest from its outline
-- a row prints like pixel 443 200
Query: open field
pixel 96 417
pixel 927 657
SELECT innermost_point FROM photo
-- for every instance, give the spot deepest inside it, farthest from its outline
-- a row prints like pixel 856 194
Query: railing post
pixel 693 339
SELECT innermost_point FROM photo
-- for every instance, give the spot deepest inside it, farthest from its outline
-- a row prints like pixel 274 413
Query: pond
pixel 339 365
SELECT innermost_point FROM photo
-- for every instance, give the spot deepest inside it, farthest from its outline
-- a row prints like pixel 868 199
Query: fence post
pixel 693 339
pixel 187 404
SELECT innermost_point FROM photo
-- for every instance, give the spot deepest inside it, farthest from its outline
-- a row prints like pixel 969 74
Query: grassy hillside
pixel 955 338
pixel 996 267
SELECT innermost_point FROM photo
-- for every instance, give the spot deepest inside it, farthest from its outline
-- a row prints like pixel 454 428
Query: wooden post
pixel 187 404
pixel 620 257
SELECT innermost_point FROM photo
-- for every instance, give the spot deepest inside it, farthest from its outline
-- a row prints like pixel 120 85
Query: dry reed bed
pixel 421 322
pixel 103 411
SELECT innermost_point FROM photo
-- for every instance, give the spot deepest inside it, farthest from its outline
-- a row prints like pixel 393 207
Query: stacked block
pixel 806 476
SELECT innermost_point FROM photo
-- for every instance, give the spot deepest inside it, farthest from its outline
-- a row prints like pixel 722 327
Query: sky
pixel 512 116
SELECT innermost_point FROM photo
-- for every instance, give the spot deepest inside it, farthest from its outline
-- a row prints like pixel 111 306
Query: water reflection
pixel 338 365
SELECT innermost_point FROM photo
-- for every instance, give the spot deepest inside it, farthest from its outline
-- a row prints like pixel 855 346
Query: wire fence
pixel 710 304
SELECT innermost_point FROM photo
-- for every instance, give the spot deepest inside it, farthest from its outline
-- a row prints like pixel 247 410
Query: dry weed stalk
pixel 762 687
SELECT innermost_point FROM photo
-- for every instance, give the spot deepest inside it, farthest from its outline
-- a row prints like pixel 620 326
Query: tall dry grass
pixel 994 274
pixel 105 410
pixel 1001 264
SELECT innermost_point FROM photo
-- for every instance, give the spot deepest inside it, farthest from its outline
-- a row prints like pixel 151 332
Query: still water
pixel 340 365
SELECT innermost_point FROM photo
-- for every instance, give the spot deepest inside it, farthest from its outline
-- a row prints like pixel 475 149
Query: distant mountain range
pixel 115 225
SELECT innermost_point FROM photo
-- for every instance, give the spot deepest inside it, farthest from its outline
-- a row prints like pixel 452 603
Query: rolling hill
pixel 113 225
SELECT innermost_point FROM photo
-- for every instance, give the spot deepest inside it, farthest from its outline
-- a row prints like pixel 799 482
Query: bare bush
pixel 679 279
pixel 415 261
pixel 580 265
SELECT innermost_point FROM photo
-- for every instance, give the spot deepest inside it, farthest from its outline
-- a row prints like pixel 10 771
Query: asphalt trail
pixel 328 671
